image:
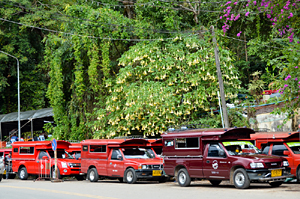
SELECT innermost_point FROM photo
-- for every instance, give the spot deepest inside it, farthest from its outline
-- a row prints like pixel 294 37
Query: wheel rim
pixel 182 178
pixel 92 175
pixel 240 179
pixel 22 174
pixel 129 176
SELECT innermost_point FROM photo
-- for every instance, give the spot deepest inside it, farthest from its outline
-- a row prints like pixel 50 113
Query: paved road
pixel 110 189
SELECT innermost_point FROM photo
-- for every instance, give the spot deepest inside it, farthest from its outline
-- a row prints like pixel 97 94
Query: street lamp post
pixel 19 125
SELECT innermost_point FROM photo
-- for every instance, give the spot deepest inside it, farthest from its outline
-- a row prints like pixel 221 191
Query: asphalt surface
pixel 113 189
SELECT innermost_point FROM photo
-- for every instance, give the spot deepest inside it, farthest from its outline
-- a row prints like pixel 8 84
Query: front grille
pixel 156 166
pixel 273 164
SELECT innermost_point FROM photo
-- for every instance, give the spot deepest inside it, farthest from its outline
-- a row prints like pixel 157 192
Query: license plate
pixel 276 172
pixel 156 173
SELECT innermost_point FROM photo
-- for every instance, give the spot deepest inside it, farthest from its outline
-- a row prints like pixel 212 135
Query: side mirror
pixel 221 153
pixel 286 153
pixel 119 157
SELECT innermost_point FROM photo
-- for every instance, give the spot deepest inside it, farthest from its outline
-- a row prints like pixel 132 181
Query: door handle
pixel 207 161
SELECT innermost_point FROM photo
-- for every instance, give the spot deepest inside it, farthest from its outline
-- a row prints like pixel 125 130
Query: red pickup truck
pixel 37 157
pixel 124 159
pixel 216 155
pixel 283 144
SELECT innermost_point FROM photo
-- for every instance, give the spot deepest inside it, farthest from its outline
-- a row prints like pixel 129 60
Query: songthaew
pixel 37 157
pixel 127 160
pixel 283 144
pixel 216 155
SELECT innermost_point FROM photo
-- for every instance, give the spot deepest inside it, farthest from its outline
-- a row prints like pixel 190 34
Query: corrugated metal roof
pixel 27 115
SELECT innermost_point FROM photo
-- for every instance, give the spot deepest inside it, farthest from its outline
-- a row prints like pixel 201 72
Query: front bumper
pixel 70 171
pixel 148 174
pixel 264 175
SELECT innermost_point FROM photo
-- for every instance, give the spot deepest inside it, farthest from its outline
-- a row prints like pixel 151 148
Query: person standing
pixel 7 164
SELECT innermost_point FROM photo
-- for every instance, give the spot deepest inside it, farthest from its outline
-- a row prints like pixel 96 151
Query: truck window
pixel 266 150
pixel 294 146
pixel 16 150
pixel 84 148
pixel 139 153
pixel 42 154
pixel 98 148
pixel 26 150
pixel 213 150
pixel 115 154
pixel 187 143
pixel 169 143
pixel 278 149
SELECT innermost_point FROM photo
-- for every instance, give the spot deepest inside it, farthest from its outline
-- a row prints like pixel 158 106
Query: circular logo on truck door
pixel 215 164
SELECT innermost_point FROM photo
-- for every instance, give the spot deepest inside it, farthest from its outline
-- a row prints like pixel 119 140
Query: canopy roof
pixel 27 115
pixel 30 121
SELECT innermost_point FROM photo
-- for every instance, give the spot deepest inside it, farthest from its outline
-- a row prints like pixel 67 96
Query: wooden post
pixel 224 108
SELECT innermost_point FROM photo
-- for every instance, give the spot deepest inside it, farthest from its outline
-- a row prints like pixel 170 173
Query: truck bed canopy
pixel 211 134
pixel 30 121
pixel 276 136
pixel 42 144
pixel 118 142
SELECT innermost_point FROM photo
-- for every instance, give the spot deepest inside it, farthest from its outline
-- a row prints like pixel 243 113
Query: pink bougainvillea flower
pixel 235 3
pixel 254 2
pixel 296 67
pixel 220 17
pixel 291 15
pixel 269 16
pixel 288 77
pixel 296 79
pixel 298 82
pixel 239 34
pixel 247 13
pixel 286 85
pixel 298 42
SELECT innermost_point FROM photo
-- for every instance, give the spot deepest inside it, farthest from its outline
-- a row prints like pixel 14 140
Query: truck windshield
pixel 134 153
pixel 240 147
pixel 294 146
pixel 61 153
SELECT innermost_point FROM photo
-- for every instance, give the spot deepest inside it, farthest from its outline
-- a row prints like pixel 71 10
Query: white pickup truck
pixel 1 168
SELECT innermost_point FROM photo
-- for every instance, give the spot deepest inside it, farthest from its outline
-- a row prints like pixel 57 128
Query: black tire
pixel 23 175
pixel 93 175
pixel 130 176
pixel 58 173
pixel 276 184
pixel 215 182
pixel 79 177
pixel 163 180
pixel 241 179
pixel 183 178
pixel 1 176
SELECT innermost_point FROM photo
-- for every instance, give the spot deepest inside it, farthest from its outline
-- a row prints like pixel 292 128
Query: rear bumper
pixel 264 175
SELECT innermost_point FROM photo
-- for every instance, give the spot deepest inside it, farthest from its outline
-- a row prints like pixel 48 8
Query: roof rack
pixel 183 127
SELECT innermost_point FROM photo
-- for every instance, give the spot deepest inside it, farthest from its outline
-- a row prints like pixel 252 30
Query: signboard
pixel 54 144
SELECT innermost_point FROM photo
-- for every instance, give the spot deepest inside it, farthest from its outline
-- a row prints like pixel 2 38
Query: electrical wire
pixel 109 24
pixel 88 36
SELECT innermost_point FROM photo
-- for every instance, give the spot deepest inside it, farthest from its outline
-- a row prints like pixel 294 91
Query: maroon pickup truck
pixel 219 154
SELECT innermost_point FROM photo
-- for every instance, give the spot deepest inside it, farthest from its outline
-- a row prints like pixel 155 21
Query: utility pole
pixel 224 108
pixel 19 125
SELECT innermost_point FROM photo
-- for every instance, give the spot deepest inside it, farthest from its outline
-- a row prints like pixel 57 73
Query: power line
pixel 248 41
pixel 89 36
pixel 83 19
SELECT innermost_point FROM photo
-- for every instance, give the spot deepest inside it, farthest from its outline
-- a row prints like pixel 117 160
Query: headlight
pixel 143 167
pixel 64 165
pixel 285 163
pixel 254 165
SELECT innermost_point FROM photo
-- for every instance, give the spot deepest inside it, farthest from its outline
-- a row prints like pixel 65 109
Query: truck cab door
pixel 115 164
pixel 216 164
pixel 42 163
